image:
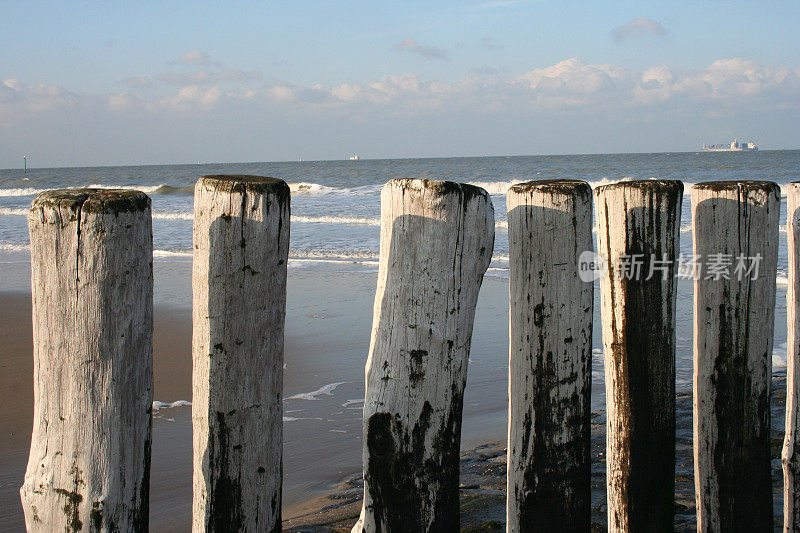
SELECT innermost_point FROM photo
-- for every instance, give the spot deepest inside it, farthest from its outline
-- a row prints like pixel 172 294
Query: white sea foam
pixel 173 215
pixel 325 390
pixel 10 211
pixel 363 221
pixel 169 405
pixel 295 419
pixel 354 401
pixel 14 247
pixel 26 191
pixel 170 253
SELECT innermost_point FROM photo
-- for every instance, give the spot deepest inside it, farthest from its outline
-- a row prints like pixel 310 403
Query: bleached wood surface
pixel 550 357
pixel 92 289
pixel 791 443
pixel 733 328
pixel 639 218
pixel 436 243
pixel 241 246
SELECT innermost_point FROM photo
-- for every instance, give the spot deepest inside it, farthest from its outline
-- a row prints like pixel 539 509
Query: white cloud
pixel 137 82
pixel 195 57
pixel 569 84
pixel 638 28
pixel 189 98
pixel 201 77
pixel 426 51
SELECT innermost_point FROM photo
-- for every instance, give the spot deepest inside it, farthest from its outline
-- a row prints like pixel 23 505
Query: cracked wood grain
pixel 92 291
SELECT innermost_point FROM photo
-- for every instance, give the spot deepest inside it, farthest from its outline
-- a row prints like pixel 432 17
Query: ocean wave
pixel 363 221
pixel 169 405
pixel 14 247
pixel 325 390
pixel 11 211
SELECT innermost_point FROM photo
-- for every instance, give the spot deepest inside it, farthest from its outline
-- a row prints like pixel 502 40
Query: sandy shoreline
pixel 327 336
pixel 329 313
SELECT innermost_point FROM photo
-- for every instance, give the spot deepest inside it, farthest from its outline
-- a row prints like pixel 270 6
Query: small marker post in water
pixel 25 163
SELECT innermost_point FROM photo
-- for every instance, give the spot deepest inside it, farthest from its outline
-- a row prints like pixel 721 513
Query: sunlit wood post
pixel 791 443
pixel 436 243
pixel 241 246
pixel 638 229
pixel 735 226
pixel 92 288
pixel 550 356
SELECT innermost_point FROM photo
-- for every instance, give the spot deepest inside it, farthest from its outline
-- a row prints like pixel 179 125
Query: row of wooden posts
pixel 92 287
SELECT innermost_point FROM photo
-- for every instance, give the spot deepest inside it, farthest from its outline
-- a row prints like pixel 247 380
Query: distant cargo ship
pixel 735 146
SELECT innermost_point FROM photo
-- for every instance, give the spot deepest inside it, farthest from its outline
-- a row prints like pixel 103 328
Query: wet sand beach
pixel 328 322
pixel 329 315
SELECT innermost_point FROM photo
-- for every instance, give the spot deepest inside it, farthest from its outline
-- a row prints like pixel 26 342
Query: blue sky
pixel 85 83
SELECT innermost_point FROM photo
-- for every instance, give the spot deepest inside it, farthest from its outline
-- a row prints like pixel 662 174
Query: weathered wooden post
pixel 791 443
pixel 436 243
pixel 241 246
pixel 735 227
pixel 92 288
pixel 550 357
pixel 638 230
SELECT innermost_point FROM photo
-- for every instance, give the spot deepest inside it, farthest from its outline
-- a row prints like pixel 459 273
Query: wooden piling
pixel 733 326
pixel 791 443
pixel 241 246
pixel 638 229
pixel 436 243
pixel 92 290
pixel 550 357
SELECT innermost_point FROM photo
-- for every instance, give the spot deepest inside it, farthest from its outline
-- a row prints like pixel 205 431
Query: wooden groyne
pixel 550 357
pixel 436 243
pixel 91 263
pixel 733 321
pixel 638 224
pixel 791 443
pixel 241 247
pixel 92 288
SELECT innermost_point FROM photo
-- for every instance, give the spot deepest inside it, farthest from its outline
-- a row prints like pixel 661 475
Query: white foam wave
pixel 169 405
pixel 11 211
pixel 325 390
pixel 26 191
pixel 170 253
pixel 14 247
pixel 310 188
pixel 173 216
pixel 364 221
pixel 355 401
pixel 295 419
pixel 495 188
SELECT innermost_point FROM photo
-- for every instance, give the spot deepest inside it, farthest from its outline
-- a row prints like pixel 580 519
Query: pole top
pixel 92 200
pixel 663 186
pixel 744 185
pixel 553 186
pixel 438 187
pixel 241 183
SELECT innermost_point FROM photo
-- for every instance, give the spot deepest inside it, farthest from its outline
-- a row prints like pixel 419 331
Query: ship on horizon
pixel 734 146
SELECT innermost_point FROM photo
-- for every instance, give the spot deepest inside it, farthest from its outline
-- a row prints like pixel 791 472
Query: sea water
pixel 335 231
pixel 336 204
